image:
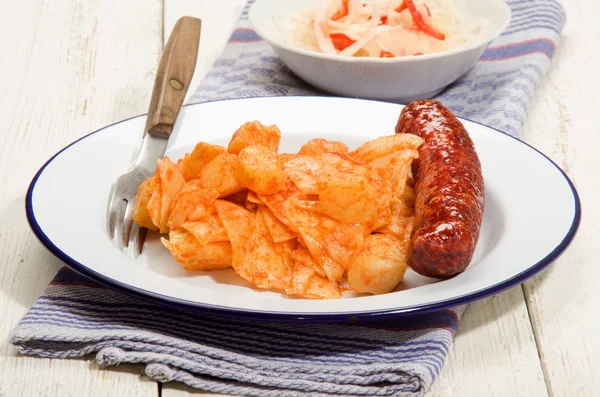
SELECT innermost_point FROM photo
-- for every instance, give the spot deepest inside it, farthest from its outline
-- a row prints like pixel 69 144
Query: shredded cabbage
pixel 378 28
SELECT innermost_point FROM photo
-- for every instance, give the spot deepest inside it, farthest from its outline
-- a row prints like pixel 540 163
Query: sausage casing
pixel 449 189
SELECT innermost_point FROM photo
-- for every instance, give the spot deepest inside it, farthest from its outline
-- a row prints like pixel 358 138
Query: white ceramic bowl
pixel 400 79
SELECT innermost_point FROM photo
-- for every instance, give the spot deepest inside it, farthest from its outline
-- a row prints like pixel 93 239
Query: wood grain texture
pixel 174 76
pixel 564 299
pixel 67 68
pixel 494 352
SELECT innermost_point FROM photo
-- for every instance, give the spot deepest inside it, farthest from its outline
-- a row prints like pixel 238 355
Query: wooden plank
pixel 66 68
pixel 181 390
pixel 564 300
pixel 494 353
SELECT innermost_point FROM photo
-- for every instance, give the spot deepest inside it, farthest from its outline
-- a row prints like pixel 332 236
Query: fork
pixel 173 77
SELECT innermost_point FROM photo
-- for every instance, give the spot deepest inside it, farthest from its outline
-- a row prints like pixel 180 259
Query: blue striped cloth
pixel 402 357
pixel 495 92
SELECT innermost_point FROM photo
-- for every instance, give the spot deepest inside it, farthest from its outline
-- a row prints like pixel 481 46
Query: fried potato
pixel 270 269
pixel 321 288
pixel 402 218
pixel 345 192
pixel 380 178
pixel 399 167
pixel 304 171
pixel 260 170
pixel 193 163
pixel 252 201
pixel 385 145
pixel 280 204
pixel 207 230
pixel 318 146
pixel 311 226
pixel 140 207
pixel 253 198
pixel 195 256
pixel 307 283
pixel 153 206
pixel 239 224
pixel 159 205
pixel 279 232
pixel 221 174
pixel 379 266
pixel 345 241
pixel 314 231
pixel 285 157
pixel 191 203
pixel 300 224
pixel 301 277
pixel 333 270
pixel 303 257
pixel 238 198
pixel 254 133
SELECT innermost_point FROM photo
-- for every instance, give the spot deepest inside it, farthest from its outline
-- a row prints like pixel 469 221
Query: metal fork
pixel 173 77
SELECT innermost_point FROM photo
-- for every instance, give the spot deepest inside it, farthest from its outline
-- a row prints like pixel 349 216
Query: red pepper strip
pixel 427 8
pixel 383 20
pixel 341 13
pixel 421 24
pixel 418 53
pixel 386 54
pixel 341 41
pixel 401 7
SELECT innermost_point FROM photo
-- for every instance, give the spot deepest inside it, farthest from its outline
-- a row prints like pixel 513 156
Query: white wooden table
pixel 69 67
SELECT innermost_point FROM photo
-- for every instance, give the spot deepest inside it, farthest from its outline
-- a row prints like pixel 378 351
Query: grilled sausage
pixel 449 191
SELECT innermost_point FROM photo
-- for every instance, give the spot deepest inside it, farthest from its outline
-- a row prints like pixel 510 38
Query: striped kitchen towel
pixel 495 92
pixel 400 357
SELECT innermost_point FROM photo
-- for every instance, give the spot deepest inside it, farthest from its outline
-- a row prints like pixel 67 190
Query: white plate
pixel 532 211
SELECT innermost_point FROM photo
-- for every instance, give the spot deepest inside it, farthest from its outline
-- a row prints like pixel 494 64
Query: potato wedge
pixel 379 266
pixel 203 153
pixel 318 146
pixel 254 133
pixel 260 170
pixel 221 174
pixel 345 192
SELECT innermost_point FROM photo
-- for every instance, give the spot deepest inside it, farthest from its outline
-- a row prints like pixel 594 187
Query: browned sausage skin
pixel 449 190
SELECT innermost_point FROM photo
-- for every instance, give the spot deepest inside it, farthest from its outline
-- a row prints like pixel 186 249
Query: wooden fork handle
pixel 173 77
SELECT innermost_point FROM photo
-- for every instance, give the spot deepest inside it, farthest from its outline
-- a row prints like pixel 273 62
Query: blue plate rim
pixel 369 315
